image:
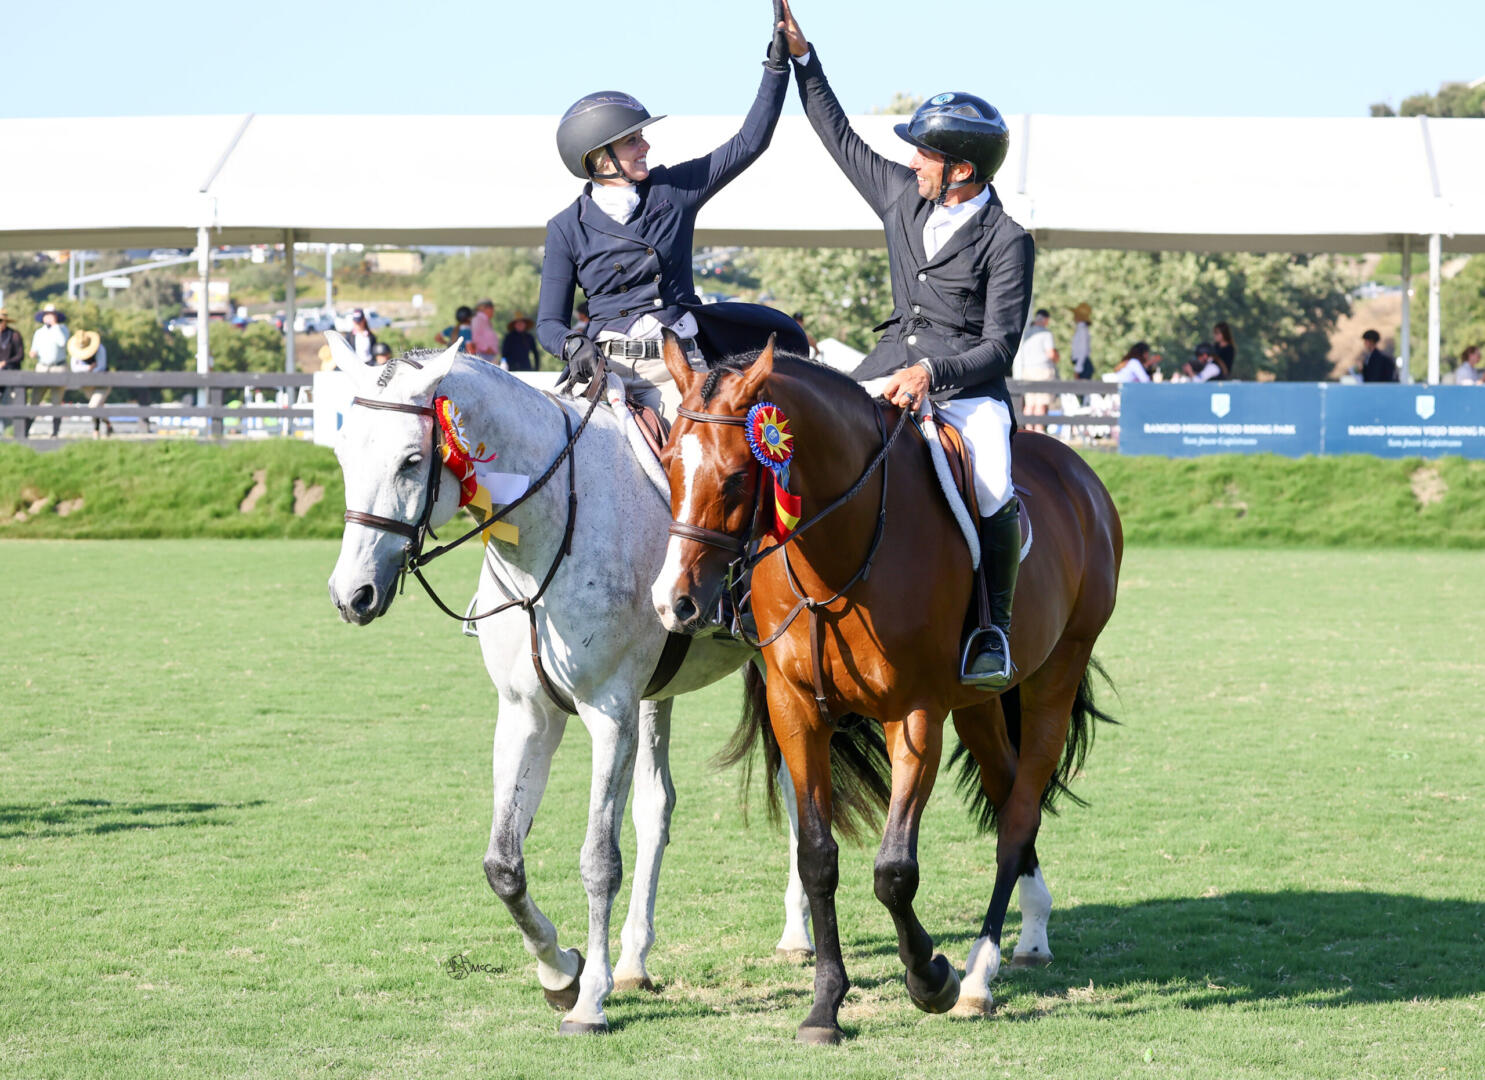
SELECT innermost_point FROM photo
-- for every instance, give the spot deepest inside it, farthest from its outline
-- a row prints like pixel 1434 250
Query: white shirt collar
pixel 945 221
pixel 618 203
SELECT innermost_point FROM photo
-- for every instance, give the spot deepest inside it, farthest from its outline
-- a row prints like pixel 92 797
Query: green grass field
pixel 113 490
pixel 238 838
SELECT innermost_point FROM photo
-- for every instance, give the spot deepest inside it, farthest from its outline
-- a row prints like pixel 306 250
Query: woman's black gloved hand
pixel 581 357
pixel 778 47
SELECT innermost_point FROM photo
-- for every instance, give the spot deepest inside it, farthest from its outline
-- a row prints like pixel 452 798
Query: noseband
pixel 414 559
pixel 747 547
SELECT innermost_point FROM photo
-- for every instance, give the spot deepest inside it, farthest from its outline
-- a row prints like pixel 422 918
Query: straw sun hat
pixel 83 345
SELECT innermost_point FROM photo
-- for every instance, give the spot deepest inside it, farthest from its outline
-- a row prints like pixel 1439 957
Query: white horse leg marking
pixel 664 588
pixel 1036 907
pixel 614 738
pixel 654 799
pixel 796 936
pixel 525 740
pixel 982 966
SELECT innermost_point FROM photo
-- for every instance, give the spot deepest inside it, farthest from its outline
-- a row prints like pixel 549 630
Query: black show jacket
pixel 964 309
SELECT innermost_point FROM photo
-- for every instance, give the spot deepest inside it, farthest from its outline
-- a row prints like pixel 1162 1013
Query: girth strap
pixel 671 659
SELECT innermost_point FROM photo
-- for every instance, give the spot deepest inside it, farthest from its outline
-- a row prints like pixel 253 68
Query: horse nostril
pixel 363 600
pixel 684 609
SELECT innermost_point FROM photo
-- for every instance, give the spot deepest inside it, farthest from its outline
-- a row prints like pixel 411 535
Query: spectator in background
pixel 1036 361
pixel 1377 366
pixel 1137 364
pixel 580 318
pixel 484 342
pixel 1224 349
pixel 12 356
pixel 518 350
pixel 49 348
pixel 361 338
pixel 798 317
pixel 1204 366
pixel 1082 342
pixel 380 354
pixel 463 314
pixel 88 354
pixel 1467 374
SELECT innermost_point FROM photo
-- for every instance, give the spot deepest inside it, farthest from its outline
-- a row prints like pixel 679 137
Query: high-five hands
pixel 798 43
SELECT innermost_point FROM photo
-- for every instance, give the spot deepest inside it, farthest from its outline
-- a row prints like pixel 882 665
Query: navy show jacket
pixel 643 267
pixel 962 310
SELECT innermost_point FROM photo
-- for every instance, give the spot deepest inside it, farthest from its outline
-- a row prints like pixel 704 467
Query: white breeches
pixel 986 426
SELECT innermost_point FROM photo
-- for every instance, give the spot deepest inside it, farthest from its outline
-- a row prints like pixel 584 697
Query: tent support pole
pixel 290 361
pixel 1405 350
pixel 203 314
pixel 1435 258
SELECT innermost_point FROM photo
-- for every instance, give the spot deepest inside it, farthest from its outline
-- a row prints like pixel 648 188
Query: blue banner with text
pixel 1405 421
pixel 1189 419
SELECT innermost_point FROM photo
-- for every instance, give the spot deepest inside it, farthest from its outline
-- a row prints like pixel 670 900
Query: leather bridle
pixel 749 552
pixel 414 558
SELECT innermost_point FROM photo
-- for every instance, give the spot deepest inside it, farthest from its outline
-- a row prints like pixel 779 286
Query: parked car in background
pixel 313 321
pixel 373 320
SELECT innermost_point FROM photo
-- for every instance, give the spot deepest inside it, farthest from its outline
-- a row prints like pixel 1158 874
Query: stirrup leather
pixel 989 679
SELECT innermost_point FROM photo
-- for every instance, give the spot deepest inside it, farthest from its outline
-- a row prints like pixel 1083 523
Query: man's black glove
pixel 778 48
pixel 581 357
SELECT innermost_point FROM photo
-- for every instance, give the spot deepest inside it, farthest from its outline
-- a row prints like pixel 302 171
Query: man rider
pixel 961 290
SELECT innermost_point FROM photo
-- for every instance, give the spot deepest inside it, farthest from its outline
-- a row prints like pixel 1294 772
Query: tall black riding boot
pixel 987 653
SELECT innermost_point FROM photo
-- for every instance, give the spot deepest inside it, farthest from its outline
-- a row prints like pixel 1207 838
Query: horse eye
pixel 413 461
pixel 734 484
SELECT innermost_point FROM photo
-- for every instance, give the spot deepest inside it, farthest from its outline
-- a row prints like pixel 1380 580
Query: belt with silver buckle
pixel 640 348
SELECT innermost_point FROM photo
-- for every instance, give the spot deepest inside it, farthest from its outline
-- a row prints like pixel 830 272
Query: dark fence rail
pixel 211 388
pixel 209 393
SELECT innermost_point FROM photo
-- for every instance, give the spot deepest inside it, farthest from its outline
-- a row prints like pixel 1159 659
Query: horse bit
pixel 748 555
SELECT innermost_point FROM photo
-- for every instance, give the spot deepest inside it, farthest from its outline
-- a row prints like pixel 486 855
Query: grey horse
pixel 599 637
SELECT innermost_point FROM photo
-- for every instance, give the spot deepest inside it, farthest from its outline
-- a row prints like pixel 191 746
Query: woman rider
pixel 627 241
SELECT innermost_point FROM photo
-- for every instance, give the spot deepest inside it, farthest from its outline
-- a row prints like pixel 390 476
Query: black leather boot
pixel 987 651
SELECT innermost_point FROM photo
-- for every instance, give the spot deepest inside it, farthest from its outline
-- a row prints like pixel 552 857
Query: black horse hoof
pixel 819 1036
pixel 942 999
pixel 565 999
pixel 579 1027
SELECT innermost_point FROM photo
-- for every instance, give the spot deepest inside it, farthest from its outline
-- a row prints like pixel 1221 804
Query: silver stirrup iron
pixel 971 650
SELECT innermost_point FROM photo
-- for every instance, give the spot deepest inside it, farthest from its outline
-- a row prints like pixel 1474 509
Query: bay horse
pixel 595 536
pixel 860 614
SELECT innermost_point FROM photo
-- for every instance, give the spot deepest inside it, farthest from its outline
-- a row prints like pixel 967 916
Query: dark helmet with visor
pixel 595 121
pixel 961 127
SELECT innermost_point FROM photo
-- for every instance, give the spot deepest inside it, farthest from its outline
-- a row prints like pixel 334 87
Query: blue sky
pixel 1154 57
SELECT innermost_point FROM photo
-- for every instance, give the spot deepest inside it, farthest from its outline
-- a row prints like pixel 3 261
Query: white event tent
pixel 1144 183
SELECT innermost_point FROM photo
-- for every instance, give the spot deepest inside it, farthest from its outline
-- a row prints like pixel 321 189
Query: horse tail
pixel 861 771
pixel 1085 713
pixel 752 728
pixel 860 778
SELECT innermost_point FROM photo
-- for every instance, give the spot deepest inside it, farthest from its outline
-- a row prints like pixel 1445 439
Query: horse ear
pixel 676 362
pixel 426 380
pixel 759 371
pixel 345 357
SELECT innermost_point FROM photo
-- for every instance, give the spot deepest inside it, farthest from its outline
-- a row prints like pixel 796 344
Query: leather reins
pixel 414 559
pixel 749 555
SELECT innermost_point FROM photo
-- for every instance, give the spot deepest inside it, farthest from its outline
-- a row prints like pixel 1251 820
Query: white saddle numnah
pixel 956 500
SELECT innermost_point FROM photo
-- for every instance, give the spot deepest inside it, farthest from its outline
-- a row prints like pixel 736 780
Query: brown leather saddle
pixel 654 427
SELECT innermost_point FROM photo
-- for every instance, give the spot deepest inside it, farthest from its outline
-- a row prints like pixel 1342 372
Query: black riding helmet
pixel 595 121
pixel 961 127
